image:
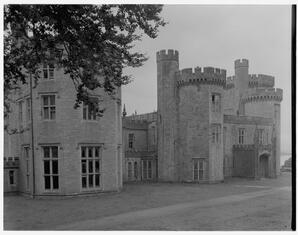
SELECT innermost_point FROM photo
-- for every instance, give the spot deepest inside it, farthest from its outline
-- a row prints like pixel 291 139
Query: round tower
pixel 200 124
pixel 167 66
pixel 265 102
pixel 241 75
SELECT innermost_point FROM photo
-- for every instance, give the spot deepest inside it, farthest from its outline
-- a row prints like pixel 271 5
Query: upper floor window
pixel 261 136
pixel 48 107
pixel 216 129
pixel 89 111
pixel 241 133
pixel 48 71
pixel 215 102
pixel 130 140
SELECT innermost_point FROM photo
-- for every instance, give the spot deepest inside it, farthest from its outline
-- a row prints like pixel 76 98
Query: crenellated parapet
pixel 262 94
pixel 209 75
pixel 260 80
pixel 241 63
pixel 167 55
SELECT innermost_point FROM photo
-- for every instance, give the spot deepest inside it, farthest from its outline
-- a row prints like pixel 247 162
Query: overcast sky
pixel 216 36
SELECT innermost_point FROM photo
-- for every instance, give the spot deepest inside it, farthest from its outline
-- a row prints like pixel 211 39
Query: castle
pixel 208 126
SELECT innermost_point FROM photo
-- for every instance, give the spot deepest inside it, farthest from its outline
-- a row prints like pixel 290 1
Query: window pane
pixel 52 99
pixel 83 152
pixel 201 174
pixel 90 152
pixel 11 177
pixel 55 152
pixel 45 100
pixel 84 182
pixel 96 166
pixel 90 166
pixel 90 178
pixel 96 180
pixel 47 182
pixel 96 151
pixel 46 113
pixel 53 113
pixel 55 182
pixel 136 169
pixel 195 165
pixel 84 170
pixel 46 152
pixel 55 167
pixel 47 167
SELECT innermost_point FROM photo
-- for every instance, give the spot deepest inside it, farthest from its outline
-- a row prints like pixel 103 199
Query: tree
pixel 93 43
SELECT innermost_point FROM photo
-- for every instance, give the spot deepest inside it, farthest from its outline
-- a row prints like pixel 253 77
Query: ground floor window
pixel 132 170
pixel 90 167
pixel 26 156
pixel 147 169
pixel 199 169
pixel 11 177
pixel 51 172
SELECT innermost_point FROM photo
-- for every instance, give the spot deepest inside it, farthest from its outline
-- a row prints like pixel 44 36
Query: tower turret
pixel 167 66
pixel 241 75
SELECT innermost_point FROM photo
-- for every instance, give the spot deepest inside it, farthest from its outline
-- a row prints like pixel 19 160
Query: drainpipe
pixel 32 138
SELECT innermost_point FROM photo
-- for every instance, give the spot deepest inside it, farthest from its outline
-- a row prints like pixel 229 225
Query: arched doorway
pixel 264 165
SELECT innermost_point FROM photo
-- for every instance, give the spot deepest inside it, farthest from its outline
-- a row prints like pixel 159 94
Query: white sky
pixel 216 36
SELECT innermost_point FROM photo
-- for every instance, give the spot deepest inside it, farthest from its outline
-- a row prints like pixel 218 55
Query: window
pixel 48 71
pixel 215 129
pixel 49 107
pixel 28 112
pixel 26 156
pixel 89 112
pixel 129 171
pixel 241 132
pixel 147 169
pixel 215 103
pixel 130 140
pixel 260 136
pixel 21 114
pixel 90 167
pixel 51 172
pixel 135 170
pixel 199 166
pixel 11 177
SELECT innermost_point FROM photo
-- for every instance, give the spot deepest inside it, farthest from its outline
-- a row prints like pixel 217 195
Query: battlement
pixel 241 63
pixel 209 75
pixel 262 94
pixel 260 80
pixel 167 55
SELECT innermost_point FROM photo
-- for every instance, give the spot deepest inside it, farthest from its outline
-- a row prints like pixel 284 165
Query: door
pixel 264 166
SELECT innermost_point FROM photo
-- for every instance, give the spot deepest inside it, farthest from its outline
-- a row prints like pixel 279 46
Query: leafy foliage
pixel 93 43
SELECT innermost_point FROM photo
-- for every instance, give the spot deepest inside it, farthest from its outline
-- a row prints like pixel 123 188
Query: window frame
pixel 13 183
pixel 145 170
pixel 216 133
pixel 216 103
pixel 86 112
pixel 51 175
pixel 131 138
pixel 196 170
pixel 241 135
pixel 20 113
pixel 49 70
pixel 49 106
pixel 87 159
pixel 26 152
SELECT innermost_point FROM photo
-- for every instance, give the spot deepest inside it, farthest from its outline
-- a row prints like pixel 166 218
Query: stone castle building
pixel 207 126
pixel 69 151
